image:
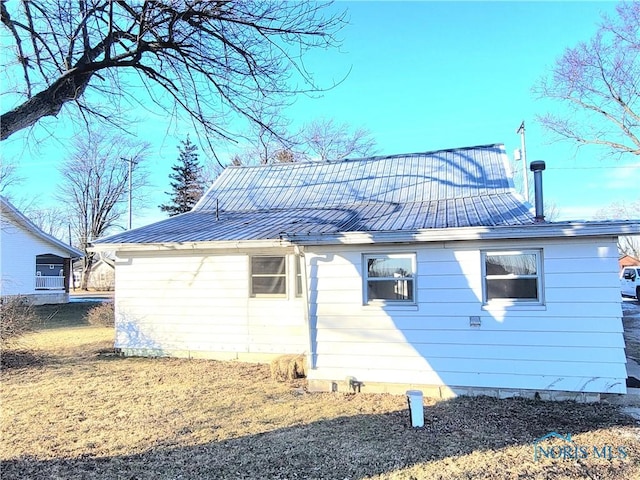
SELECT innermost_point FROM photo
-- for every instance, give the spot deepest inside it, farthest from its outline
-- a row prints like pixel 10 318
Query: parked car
pixel 630 282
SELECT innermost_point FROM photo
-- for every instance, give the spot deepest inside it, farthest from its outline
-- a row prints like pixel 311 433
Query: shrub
pixel 288 367
pixel 16 319
pixel 102 315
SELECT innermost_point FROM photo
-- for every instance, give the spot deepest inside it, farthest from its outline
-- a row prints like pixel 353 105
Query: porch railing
pixel 50 283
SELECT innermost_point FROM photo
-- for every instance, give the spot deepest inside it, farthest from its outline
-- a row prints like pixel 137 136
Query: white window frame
pixel 365 279
pixel 252 294
pixel 299 287
pixel 539 277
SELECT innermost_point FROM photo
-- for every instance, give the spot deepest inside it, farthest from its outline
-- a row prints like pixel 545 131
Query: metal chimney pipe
pixel 537 168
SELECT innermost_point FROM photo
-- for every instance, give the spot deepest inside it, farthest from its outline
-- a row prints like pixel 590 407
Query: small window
pixel 389 278
pixel 512 276
pixel 298 259
pixel 268 276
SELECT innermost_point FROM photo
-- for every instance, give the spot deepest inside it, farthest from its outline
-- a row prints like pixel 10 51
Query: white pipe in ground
pixel 416 408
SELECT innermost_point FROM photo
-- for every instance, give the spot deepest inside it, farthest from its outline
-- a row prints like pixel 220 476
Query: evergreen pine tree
pixel 187 184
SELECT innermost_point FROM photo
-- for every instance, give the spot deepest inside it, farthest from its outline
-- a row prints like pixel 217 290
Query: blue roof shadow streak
pixel 443 189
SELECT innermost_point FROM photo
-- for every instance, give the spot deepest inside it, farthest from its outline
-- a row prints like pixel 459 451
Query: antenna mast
pixel 525 178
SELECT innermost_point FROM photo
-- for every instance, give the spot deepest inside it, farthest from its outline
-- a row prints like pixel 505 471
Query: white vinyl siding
pixel 572 343
pixel 199 305
pixel 20 247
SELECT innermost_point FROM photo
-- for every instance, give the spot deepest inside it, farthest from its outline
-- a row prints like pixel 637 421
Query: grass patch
pixel 78 413
pixel 64 315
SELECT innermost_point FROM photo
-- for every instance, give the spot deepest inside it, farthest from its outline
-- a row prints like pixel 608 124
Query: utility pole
pixel 524 161
pixel 131 163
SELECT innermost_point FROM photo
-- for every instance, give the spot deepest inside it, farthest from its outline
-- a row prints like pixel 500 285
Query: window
pixel 268 276
pixel 629 274
pixel 513 276
pixel 389 278
pixel 298 259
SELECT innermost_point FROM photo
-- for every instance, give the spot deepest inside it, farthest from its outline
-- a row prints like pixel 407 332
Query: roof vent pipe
pixel 537 168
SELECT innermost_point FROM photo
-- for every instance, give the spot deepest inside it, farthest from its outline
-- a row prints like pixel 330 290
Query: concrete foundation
pixel 247 357
pixel 443 392
pixel 44 298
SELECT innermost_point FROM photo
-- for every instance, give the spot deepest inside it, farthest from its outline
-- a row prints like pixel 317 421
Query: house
pixel 34 265
pixel 101 276
pixel 627 261
pixel 406 271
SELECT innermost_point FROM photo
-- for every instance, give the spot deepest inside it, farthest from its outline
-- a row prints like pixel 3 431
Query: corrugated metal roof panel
pixel 452 188
pixel 203 226
pixel 396 179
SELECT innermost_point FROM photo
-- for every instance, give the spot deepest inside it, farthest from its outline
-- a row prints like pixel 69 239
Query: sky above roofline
pixel 422 76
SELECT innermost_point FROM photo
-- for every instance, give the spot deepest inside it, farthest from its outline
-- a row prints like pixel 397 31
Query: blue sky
pixel 423 76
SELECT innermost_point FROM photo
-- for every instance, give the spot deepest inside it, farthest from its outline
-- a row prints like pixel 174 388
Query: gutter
pixel 538 230
pixel 529 231
pixel 240 245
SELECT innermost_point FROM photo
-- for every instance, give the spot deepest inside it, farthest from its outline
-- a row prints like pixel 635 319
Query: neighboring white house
pixel 33 264
pixel 425 270
pixel 101 276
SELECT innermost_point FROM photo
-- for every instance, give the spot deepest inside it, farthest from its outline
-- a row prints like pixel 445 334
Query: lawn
pixel 70 410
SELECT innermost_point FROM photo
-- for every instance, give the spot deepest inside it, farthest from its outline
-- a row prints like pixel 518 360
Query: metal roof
pixel 397 179
pixel 465 187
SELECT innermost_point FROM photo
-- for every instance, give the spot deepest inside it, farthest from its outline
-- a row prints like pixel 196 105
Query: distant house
pixel 627 261
pixel 34 265
pixel 425 270
pixel 101 276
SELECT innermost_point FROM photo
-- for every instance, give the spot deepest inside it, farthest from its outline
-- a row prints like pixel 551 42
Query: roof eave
pixel 534 231
pixel 239 245
pixel 541 230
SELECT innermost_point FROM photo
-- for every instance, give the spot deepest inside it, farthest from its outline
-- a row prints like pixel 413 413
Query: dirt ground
pixel 71 410
pixel 631 324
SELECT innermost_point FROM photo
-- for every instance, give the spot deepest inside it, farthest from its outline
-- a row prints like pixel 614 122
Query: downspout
pixel 299 251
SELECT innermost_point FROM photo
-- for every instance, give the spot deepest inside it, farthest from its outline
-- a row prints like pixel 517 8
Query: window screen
pixel 268 276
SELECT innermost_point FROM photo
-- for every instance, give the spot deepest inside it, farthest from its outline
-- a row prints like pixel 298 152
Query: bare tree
pixel 96 179
pixel 551 211
pixel 629 245
pixel 269 140
pixel 328 140
pixel 49 220
pixel 599 84
pixel 319 140
pixel 202 58
pixel 9 176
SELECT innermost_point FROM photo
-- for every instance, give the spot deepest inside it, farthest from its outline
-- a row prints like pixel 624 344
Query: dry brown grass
pixel 77 412
pixel 288 367
pixel 16 319
pixel 102 315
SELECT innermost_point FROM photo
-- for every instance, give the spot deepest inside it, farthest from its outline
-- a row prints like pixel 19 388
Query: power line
pixel 608 167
